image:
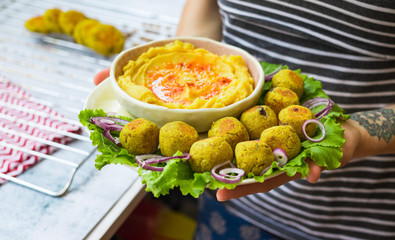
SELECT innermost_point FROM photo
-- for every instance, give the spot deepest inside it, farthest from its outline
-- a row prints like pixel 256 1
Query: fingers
pixel 101 76
pixel 267 185
pixel 314 171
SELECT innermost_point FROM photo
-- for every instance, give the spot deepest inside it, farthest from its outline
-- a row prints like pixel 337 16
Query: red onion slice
pixel 108 123
pixel 159 159
pixel 280 156
pixel 229 172
pixel 265 170
pixel 146 159
pixel 108 135
pixel 319 124
pixel 323 113
pixel 318 101
pixel 226 178
pixel 107 120
pixel 140 161
pixel 270 76
pixel 115 119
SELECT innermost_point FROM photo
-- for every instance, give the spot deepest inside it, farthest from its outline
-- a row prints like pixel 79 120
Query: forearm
pixel 377 131
pixel 200 18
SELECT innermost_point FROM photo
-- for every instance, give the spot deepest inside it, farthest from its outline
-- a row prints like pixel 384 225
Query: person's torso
pixel 350 47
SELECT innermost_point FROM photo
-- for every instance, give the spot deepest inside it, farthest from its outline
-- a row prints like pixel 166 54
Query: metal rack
pixel 58 73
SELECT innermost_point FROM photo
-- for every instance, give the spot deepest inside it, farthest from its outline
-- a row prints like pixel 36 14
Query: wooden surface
pixel 28 214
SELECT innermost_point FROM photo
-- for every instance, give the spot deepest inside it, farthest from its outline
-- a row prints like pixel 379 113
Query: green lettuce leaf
pixel 110 153
pixel 178 174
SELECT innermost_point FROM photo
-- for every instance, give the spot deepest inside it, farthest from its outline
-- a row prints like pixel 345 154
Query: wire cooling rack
pixel 57 73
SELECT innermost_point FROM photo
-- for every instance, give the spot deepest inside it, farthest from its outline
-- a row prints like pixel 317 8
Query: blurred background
pixel 45 78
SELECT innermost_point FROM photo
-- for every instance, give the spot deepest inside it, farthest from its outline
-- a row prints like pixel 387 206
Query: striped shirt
pixel 349 46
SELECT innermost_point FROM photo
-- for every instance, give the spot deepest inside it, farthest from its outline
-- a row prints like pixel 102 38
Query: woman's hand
pixel 351 134
pixel 267 185
pixel 101 76
pixel 200 18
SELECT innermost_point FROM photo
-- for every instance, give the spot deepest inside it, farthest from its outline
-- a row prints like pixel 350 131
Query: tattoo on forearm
pixel 379 123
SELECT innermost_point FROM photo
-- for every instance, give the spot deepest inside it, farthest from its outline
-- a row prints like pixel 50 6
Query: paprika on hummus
pixel 178 75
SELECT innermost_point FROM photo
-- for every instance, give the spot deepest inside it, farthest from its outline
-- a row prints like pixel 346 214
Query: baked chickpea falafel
pixel 257 119
pixel 289 79
pixel 82 30
pixel 253 156
pixel 105 39
pixel 51 19
pixel 295 116
pixel 69 19
pixel 209 152
pixel 283 137
pixel 37 24
pixel 231 129
pixel 140 136
pixel 176 136
pixel 278 98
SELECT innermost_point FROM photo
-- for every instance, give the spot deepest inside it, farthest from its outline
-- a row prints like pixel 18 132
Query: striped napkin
pixel 26 124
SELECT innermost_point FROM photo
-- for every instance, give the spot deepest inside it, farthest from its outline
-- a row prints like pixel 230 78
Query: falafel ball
pixel 140 136
pixel 37 24
pixel 253 156
pixel 283 137
pixel 289 79
pixel 257 119
pixel 69 19
pixel 51 19
pixel 209 152
pixel 105 39
pixel 278 98
pixel 295 116
pixel 176 136
pixel 231 129
pixel 82 30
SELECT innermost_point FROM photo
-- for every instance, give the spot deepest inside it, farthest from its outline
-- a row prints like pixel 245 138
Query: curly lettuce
pixel 178 174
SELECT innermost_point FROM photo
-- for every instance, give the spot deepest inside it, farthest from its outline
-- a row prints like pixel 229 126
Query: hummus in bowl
pixel 194 80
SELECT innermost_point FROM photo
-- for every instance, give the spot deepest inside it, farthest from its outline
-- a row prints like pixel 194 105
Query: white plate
pixel 103 97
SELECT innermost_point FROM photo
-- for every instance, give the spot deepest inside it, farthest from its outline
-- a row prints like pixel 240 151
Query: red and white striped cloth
pixel 18 114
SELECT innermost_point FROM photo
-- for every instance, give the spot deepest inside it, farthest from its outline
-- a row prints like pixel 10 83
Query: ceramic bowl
pixel 200 119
